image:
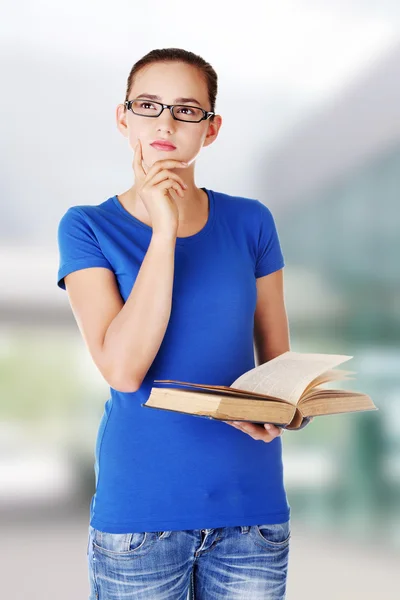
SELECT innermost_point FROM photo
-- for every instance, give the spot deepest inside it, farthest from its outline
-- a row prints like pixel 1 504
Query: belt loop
pixel 164 534
pixel 245 528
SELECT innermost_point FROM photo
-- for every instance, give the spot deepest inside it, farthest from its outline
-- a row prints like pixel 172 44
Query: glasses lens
pixel 188 113
pixel 146 108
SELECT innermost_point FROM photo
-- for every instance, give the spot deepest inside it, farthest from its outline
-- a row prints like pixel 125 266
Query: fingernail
pixel 183 163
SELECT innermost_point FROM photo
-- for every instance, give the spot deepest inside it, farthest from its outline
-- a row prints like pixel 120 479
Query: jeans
pixel 232 563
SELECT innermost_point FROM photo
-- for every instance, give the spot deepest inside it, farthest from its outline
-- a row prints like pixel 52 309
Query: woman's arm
pixel 271 328
pixel 271 337
pixel 123 339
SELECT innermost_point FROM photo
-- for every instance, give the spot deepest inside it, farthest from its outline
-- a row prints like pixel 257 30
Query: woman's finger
pixel 273 429
pixel 165 163
pixel 165 174
pixel 140 173
pixel 257 432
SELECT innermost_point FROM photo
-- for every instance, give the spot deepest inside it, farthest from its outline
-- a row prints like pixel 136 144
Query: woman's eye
pixel 144 104
pixel 185 108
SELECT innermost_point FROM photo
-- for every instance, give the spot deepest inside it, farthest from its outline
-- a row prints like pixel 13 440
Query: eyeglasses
pixel 180 112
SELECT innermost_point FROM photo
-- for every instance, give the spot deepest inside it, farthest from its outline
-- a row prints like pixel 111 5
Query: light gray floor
pixel 46 560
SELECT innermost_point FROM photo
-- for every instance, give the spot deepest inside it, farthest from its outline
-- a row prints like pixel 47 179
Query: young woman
pixel 173 281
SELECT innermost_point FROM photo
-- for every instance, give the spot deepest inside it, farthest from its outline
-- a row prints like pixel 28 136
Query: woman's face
pixel 168 81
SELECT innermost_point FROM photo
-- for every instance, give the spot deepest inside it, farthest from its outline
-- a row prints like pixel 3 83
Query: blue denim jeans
pixel 235 563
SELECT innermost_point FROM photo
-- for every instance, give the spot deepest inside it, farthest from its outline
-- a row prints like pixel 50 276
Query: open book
pixel 285 391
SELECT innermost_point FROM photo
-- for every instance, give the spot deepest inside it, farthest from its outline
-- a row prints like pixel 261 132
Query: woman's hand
pixel 265 433
pixel 154 189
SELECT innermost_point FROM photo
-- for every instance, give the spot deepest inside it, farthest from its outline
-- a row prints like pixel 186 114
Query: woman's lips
pixel 158 146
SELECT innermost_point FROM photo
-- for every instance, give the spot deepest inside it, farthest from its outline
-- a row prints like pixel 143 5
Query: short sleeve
pixel 77 245
pixel 269 256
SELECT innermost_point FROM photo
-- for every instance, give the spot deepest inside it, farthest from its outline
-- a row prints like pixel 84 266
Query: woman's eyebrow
pixel 177 100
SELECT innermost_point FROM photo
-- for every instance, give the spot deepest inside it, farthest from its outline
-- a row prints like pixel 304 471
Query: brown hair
pixel 178 55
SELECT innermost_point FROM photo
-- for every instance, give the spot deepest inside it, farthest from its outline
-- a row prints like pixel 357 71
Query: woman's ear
pixel 120 116
pixel 212 131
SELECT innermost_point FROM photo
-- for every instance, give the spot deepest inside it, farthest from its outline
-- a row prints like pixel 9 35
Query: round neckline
pixel 179 240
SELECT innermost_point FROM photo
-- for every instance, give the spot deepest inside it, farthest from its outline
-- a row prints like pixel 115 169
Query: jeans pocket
pixel 122 544
pixel 273 535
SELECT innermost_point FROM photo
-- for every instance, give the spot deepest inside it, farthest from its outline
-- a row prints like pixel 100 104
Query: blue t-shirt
pixel 160 470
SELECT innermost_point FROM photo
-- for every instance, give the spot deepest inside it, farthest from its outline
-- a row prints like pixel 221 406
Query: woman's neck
pixel 192 209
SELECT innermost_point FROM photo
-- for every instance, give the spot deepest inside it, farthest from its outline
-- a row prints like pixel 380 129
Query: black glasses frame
pixel 206 114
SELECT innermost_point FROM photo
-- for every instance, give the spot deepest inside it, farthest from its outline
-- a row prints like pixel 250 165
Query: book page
pixel 288 375
pixel 327 377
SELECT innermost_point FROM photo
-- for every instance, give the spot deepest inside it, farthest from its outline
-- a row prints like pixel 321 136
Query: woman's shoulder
pixel 85 213
pixel 241 205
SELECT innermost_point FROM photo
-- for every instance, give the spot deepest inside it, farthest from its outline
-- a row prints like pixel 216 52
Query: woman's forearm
pixel 134 336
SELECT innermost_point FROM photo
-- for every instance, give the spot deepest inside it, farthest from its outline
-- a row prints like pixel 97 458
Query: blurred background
pixel 309 93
